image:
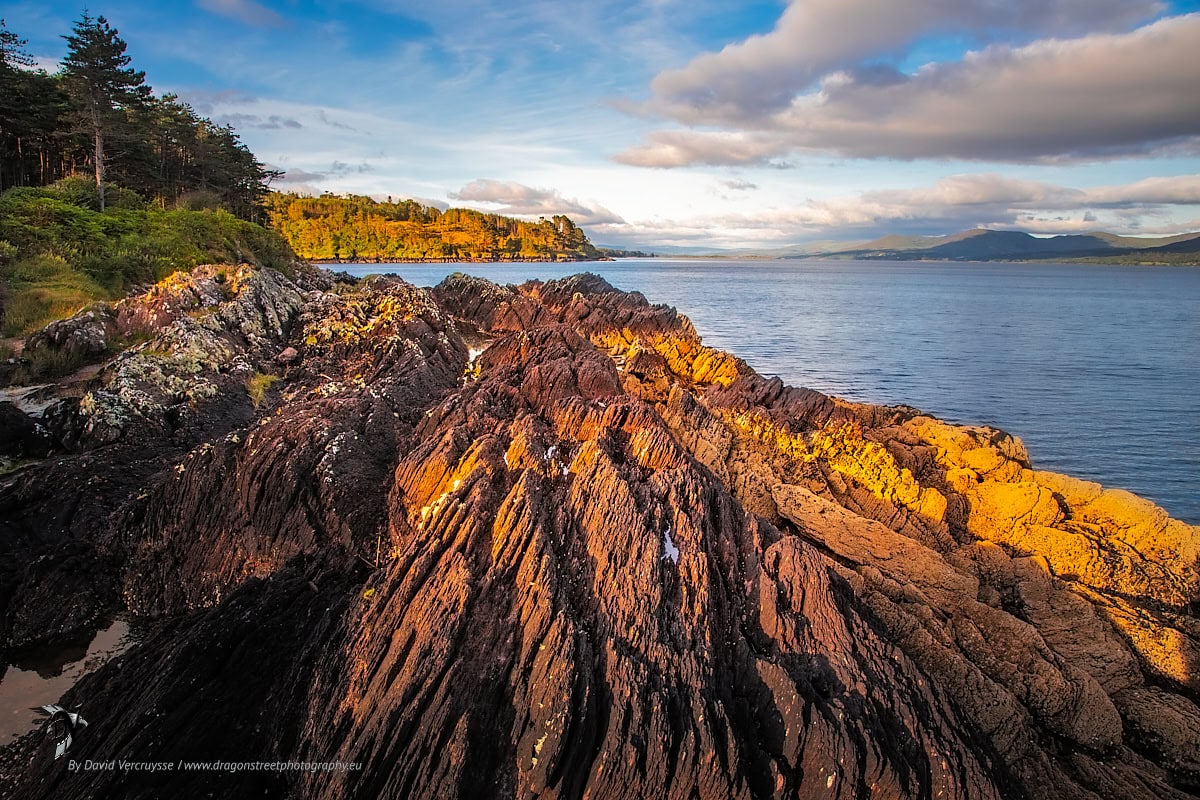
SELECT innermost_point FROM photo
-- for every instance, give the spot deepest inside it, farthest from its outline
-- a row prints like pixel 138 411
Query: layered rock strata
pixel 540 541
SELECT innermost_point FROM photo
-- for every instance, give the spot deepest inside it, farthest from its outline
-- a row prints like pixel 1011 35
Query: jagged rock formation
pixel 529 541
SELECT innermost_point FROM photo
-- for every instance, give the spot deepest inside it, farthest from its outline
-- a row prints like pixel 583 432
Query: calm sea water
pixel 1095 367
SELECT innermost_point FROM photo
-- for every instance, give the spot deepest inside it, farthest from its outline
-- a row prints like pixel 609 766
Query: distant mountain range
pixel 978 244
pixel 988 245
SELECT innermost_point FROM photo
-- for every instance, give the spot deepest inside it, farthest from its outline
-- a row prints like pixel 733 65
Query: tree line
pixel 357 228
pixel 96 116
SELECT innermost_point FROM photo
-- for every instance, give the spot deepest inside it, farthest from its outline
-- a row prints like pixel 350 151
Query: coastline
pixel 1099 261
pixel 558 491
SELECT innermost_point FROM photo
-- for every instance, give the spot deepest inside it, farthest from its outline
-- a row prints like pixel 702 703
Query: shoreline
pixel 555 497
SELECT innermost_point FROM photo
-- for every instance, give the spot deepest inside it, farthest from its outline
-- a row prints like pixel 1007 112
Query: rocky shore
pixel 539 541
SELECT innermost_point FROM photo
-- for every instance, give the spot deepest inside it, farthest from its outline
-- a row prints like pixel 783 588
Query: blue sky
pixel 700 123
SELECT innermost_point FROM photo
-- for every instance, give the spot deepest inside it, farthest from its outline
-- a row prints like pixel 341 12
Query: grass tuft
pixel 45 364
pixel 257 386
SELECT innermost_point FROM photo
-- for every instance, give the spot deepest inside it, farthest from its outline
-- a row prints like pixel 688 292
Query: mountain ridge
pixel 981 244
pixel 975 244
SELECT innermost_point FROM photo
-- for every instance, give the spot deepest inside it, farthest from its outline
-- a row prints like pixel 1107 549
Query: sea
pixel 1095 367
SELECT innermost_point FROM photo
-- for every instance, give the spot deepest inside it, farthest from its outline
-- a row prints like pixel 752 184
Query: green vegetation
pixel 41 289
pixel 105 186
pixel 362 229
pixel 56 256
pixel 1143 257
pixel 46 363
pixel 618 252
pixel 257 386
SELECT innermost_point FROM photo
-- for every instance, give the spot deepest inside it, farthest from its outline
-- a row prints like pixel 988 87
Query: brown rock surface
pixel 597 559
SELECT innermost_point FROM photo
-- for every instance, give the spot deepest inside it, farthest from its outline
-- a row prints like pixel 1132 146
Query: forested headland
pixel 333 228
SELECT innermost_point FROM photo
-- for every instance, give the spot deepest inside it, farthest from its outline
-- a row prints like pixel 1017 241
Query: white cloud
pixel 739 185
pixel 524 201
pixel 950 204
pixel 816 37
pixel 270 122
pixel 248 11
pixel 298 176
pixel 995 200
pixel 684 148
pixel 1093 97
pixel 43 63
pixel 1173 190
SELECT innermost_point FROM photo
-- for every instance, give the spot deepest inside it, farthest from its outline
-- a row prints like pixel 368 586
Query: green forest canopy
pixel 96 116
pixel 358 228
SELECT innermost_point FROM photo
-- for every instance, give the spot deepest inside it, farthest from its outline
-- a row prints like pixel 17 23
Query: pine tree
pixel 12 110
pixel 101 82
pixel 12 49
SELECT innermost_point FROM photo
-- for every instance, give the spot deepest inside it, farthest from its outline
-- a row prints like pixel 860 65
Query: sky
pixel 699 124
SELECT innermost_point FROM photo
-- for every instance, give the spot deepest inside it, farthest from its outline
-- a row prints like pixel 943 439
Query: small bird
pixel 61 726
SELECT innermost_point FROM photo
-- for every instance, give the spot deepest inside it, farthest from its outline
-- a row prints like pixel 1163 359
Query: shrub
pixel 199 200
pixel 81 191
pixel 57 253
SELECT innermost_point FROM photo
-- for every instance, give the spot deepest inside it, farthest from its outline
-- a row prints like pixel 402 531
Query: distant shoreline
pixel 368 262
pixel 1101 261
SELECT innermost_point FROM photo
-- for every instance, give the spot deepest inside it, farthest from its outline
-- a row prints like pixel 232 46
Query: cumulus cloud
pixel 816 37
pixel 990 200
pixel 247 11
pixel 1097 96
pixel 1174 190
pixel 714 148
pixel 525 201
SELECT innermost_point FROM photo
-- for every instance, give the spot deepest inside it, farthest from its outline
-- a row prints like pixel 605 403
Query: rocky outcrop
pixel 144 413
pixel 76 339
pixel 103 329
pixel 484 541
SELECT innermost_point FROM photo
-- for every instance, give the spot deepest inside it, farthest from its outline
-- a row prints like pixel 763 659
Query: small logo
pixel 60 727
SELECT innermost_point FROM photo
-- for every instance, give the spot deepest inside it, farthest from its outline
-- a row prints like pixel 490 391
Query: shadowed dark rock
pixel 21 436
